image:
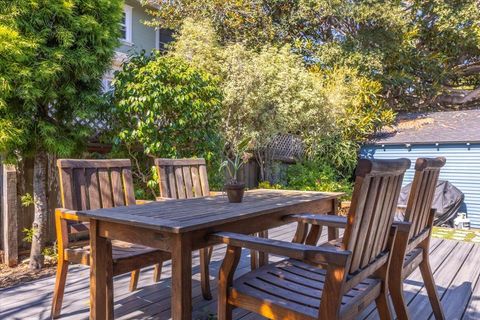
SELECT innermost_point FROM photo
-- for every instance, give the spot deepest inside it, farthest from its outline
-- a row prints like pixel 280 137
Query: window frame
pixel 127 10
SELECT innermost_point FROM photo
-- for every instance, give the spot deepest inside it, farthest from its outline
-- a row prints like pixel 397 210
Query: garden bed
pixel 10 277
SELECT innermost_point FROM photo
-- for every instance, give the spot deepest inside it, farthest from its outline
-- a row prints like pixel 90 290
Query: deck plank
pixel 444 276
pixel 439 249
pixel 454 264
pixel 456 299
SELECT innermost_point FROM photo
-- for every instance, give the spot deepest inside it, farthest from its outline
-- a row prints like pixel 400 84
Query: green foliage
pixel 28 234
pixel 26 200
pixel 425 53
pixel 52 57
pixel 266 92
pixel 168 107
pixel 271 91
pixel 51 252
pixel 236 158
pixel 313 176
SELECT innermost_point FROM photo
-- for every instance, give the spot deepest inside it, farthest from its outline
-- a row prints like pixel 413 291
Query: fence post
pixel 9 214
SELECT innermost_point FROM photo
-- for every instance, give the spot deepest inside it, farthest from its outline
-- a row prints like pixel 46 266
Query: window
pixel 126 24
pixel 164 36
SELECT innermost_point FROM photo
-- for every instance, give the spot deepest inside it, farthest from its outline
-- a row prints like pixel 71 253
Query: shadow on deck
pixel 456 267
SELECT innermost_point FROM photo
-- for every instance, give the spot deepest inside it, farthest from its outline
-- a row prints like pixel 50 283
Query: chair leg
pixel 59 290
pixel 205 273
pixel 253 260
pixel 383 306
pixel 225 280
pixel 134 280
pixel 395 286
pixel 431 288
pixel 157 272
pixel 109 286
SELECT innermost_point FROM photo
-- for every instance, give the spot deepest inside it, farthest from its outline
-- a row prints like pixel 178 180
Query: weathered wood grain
pixel 152 301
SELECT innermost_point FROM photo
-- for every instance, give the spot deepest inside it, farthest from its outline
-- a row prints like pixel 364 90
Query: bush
pixel 167 106
pixel 314 176
pixel 164 107
pixel 270 91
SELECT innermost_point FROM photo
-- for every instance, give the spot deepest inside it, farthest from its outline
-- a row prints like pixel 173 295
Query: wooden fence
pixel 17 181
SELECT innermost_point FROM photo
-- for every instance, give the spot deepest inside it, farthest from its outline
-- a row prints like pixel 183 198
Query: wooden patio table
pixel 182 226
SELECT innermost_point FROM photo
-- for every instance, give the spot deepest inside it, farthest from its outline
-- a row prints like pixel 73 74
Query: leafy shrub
pixel 168 107
pixel 269 90
pixel 164 107
pixel 313 176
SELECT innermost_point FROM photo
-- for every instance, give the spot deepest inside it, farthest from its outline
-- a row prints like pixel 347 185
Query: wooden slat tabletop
pixel 177 216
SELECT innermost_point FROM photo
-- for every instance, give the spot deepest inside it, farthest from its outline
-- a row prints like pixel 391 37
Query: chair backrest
pixel 182 178
pixel 374 200
pixel 94 184
pixel 421 195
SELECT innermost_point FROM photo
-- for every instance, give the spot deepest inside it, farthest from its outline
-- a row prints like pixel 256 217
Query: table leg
pixel 181 278
pixel 333 232
pixel 263 256
pixel 98 273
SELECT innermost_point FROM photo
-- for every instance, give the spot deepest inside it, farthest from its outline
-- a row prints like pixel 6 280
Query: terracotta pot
pixel 235 192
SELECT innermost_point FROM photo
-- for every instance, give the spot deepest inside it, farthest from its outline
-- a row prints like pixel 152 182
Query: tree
pixel 426 54
pixel 270 91
pixel 52 57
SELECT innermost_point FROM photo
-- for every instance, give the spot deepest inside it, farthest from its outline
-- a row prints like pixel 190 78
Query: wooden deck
pixel 456 268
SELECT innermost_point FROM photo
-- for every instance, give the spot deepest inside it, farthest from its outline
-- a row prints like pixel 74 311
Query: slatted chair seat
pixel 121 250
pixel 292 285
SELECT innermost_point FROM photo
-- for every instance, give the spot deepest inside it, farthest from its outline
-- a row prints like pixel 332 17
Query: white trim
pixel 128 24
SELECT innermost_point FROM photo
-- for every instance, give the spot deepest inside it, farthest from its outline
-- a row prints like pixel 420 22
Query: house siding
pixel 462 168
pixel 143 36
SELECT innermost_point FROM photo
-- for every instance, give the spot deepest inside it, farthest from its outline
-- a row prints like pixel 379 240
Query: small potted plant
pixel 234 161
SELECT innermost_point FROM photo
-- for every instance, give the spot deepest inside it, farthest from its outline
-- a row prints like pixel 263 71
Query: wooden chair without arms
pixel 94 184
pixel 412 249
pixel 185 179
pixel 336 280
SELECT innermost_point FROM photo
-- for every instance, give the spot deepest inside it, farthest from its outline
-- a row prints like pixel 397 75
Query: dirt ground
pixel 21 274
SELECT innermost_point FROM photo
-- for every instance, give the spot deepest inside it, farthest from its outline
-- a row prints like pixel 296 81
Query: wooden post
pixel 9 215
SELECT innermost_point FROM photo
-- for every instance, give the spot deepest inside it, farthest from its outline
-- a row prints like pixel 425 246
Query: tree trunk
pixel 41 209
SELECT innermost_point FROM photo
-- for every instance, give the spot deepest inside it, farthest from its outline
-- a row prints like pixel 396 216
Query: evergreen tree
pixel 52 56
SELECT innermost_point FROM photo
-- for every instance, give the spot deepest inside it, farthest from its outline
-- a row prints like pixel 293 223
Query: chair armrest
pixel 318 219
pixel 328 255
pixel 67 214
pixel 402 226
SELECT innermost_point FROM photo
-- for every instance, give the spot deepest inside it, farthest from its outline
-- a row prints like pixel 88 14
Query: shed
pixel 454 135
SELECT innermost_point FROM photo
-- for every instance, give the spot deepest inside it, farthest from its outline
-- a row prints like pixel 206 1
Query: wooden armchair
pixel 185 179
pixel 336 280
pixel 412 249
pixel 93 184
pixel 412 245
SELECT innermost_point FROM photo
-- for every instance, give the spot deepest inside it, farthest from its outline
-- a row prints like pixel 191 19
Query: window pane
pixel 123 32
